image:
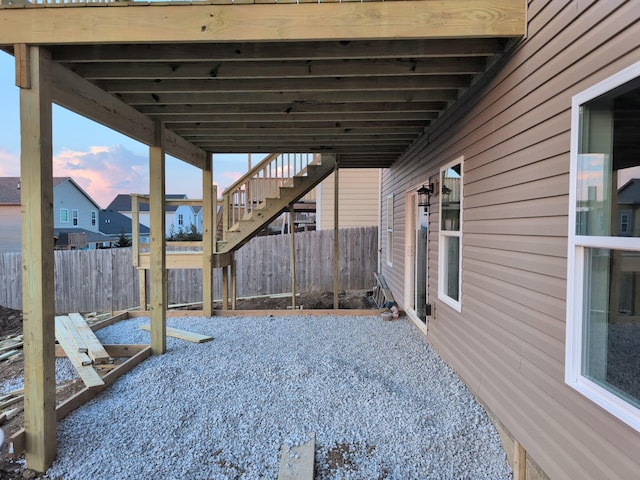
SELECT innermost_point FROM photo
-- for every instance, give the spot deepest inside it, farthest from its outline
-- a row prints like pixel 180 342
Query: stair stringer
pixel 296 188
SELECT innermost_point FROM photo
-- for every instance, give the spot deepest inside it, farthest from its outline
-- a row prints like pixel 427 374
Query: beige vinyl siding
pixel 10 228
pixel 359 200
pixel 508 341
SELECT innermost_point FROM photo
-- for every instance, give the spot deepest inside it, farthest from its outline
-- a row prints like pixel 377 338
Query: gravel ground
pixel 381 403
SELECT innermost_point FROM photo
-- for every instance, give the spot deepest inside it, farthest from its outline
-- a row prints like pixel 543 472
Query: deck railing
pixel 260 183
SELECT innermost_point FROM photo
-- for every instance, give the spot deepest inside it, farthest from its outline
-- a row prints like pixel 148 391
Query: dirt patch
pixel 311 300
pixel 10 322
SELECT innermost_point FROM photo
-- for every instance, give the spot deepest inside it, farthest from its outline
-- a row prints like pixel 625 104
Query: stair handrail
pixel 259 183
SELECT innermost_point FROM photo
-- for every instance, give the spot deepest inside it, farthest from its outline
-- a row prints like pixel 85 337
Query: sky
pixel 103 162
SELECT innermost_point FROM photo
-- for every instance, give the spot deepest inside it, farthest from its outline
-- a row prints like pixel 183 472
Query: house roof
pixel 92 237
pixel 10 189
pixel 114 223
pixel 122 203
pixel 629 193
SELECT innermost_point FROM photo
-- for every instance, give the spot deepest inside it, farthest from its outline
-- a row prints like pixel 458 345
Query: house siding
pixel 10 231
pixel 507 343
pixel 358 200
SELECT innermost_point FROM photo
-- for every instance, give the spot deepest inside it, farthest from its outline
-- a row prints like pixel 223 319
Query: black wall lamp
pixel 424 192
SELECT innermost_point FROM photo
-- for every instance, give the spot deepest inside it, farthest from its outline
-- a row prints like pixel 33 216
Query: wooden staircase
pixel 268 189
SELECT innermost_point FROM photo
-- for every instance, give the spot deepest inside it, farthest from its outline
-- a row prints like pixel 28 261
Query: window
pixel 94 217
pixel 603 292
pixel 390 230
pixel 450 257
pixel 64 215
pixel 180 219
pixel 74 217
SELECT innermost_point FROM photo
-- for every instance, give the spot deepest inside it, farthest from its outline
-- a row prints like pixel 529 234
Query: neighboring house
pixel 113 224
pixel 358 202
pixel 199 220
pixel 74 211
pixel 629 209
pixel 184 217
pixel 122 203
pixel 525 272
pixel 10 220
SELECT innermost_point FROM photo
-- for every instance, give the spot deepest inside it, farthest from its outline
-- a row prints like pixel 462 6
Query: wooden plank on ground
pixel 297 463
pixel 74 335
pixel 95 350
pixel 8 354
pixel 89 376
pixel 182 334
pixel 109 321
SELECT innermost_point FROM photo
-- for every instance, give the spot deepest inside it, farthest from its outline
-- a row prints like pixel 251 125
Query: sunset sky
pixel 103 162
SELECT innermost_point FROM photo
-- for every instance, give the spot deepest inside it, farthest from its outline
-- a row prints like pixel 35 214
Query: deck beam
pixel 264 22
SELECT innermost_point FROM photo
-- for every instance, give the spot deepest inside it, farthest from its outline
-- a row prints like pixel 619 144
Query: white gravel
pixel 381 403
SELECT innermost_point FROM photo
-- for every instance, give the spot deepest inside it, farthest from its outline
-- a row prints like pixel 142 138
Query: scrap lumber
pixel 11 343
pixel 9 354
pixel 182 334
pixel 9 414
pixel 95 350
pixel 297 463
pixel 8 400
pixel 89 376
pixel 17 440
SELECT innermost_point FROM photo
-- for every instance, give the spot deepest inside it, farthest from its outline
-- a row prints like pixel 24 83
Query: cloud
pixel 9 163
pixel 225 179
pixel 104 172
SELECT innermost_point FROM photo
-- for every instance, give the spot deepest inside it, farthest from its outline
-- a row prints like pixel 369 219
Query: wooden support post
pixel 135 230
pixel 142 288
pixel 225 288
pixel 158 249
pixel 336 250
pixel 208 237
pixel 292 234
pixel 234 276
pixel 38 298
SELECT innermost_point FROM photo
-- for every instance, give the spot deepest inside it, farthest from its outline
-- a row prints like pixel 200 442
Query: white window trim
pixel 442 296
pixel 94 218
pixel 67 215
pixel 75 217
pixel 575 267
pixel 389 236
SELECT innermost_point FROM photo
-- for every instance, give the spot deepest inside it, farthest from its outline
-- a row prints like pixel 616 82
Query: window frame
pixel 444 235
pixel 389 243
pixel 75 217
pixel 66 215
pixel 94 218
pixel 577 245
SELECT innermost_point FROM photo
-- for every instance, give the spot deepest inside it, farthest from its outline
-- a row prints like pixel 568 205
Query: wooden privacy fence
pixel 104 280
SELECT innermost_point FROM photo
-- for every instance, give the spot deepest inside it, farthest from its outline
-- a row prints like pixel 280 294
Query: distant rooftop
pixel 10 189
pixel 122 203
pixel 114 223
